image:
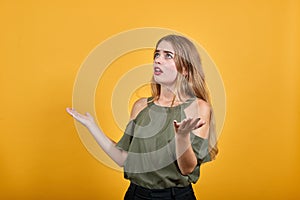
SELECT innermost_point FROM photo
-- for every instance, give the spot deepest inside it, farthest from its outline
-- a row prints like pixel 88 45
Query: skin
pixel 108 146
pixel 164 60
pixel 197 120
pixel 198 114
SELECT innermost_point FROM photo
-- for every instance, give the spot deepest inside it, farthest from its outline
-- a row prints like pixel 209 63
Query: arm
pixel 187 160
pixel 104 142
pixel 108 146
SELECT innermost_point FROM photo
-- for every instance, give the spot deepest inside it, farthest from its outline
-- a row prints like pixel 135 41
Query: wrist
pixel 92 126
pixel 183 136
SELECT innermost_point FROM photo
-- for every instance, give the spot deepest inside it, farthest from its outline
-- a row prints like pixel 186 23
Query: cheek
pixel 171 74
pixel 173 70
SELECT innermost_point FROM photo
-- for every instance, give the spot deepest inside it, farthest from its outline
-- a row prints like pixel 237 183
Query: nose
pixel 158 60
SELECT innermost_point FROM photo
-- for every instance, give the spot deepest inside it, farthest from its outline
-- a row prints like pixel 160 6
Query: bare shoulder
pixel 204 107
pixel 137 107
pixel 199 108
pixel 204 111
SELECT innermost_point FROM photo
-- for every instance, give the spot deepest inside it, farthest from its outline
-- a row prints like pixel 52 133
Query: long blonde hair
pixel 193 83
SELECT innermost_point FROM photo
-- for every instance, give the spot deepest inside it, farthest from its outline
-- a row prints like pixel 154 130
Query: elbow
pixel 187 168
pixel 120 164
pixel 121 159
pixel 186 171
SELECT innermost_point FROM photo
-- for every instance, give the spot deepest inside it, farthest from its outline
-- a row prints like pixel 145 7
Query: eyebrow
pixel 165 51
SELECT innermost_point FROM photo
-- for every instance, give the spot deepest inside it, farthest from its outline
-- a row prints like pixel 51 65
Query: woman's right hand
pixel 87 119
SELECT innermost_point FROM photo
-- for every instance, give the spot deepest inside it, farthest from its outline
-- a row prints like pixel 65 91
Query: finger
pixel 194 123
pixel 200 124
pixel 190 123
pixel 176 124
pixel 75 114
pixel 185 123
pixel 70 111
pixel 89 115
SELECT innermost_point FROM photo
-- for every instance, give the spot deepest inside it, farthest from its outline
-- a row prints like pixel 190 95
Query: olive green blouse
pixel 149 141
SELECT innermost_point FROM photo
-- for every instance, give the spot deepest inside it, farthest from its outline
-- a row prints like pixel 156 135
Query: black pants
pixel 136 192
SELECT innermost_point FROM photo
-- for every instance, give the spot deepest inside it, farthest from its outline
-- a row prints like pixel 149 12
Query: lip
pixel 157 70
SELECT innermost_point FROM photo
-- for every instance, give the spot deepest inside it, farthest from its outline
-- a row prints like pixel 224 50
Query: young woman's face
pixel 164 67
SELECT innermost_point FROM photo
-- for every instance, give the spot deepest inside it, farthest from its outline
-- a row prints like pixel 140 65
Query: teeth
pixel 156 69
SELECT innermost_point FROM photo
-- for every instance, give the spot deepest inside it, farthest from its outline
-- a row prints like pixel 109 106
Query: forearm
pixel 108 146
pixel 186 158
pixel 105 143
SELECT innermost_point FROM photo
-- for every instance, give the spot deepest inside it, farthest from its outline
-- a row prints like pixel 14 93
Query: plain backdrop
pixel 255 45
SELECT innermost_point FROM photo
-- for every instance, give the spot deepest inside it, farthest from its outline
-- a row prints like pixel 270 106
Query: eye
pixel 156 55
pixel 169 56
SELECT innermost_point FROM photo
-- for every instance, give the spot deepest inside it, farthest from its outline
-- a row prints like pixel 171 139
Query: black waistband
pixel 167 192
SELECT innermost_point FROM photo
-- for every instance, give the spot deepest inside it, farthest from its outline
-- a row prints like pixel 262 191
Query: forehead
pixel 165 46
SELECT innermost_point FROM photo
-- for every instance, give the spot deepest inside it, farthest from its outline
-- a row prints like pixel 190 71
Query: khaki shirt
pixel 149 140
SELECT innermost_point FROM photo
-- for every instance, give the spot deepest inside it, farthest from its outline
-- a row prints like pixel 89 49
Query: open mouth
pixel 157 71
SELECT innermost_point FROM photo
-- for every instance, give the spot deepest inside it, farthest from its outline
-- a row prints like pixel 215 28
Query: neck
pixel 166 94
pixel 167 97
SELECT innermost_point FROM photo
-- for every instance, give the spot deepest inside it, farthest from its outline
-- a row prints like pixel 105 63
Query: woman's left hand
pixel 187 125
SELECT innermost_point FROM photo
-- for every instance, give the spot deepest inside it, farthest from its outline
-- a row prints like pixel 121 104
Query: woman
pixel 170 134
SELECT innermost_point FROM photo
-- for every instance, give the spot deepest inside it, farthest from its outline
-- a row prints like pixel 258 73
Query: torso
pixel 151 158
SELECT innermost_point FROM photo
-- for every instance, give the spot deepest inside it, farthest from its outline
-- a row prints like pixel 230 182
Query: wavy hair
pixel 190 81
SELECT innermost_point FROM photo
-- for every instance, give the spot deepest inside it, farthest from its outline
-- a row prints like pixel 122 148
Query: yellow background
pixel 255 45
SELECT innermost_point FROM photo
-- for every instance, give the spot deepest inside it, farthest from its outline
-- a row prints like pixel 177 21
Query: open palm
pixel 86 119
pixel 187 125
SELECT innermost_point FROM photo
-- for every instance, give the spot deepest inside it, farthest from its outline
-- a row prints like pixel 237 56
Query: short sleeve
pixel 126 139
pixel 200 148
